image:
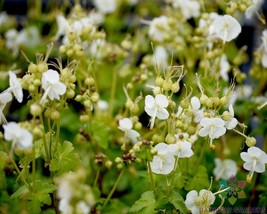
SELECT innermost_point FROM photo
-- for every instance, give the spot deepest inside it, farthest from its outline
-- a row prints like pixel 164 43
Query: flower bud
pixel 153 151
pixel 89 81
pixel 33 68
pixel 159 81
pixel 55 115
pixel 108 164
pixel 84 118
pixel 250 141
pixel 223 100
pixel 35 110
pixel 170 139
pixel 175 87
pixel 42 67
pixel 226 116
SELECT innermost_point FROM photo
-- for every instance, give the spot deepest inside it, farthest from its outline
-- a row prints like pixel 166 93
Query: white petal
pixel 162 148
pixel 15 86
pixel 150 111
pixel 245 157
pixel 195 103
pixel 162 114
pixel 205 122
pixel 149 101
pixel 255 151
pixel 231 110
pixel 247 166
pixel 204 131
pixel 250 11
pixel 51 76
pixel 25 140
pixel 263 158
pixel 59 88
pixel 264 60
pixel 231 124
pixel 218 122
pixel 190 199
pixel 133 135
pixel 217 132
pixel 161 100
pixel 10 129
pixel 125 124
pixel 5 97
pixel 260 167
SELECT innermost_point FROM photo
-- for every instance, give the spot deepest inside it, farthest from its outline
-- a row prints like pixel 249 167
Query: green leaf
pixel 145 205
pixel 22 191
pixel 100 133
pixel 35 206
pixel 177 200
pixel 200 180
pixel 65 159
pixel 3 158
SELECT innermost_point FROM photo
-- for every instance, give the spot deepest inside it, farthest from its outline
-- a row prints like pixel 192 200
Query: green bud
pixel 170 139
pixel 159 81
pixel 84 118
pixel 35 110
pixel 250 141
pixel 33 68
pixel 55 115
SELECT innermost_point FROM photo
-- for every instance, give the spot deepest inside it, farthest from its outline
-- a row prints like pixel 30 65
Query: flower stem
pixel 96 177
pixel 21 176
pixel 151 177
pixel 113 188
pixel 44 139
pixel 57 134
pixel 113 90
pixel 173 175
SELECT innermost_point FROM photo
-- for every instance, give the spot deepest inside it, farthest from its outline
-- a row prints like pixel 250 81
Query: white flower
pixel 82 207
pixel 5 97
pixel 227 28
pixel 160 57
pixel 224 169
pixel 11 36
pixel 106 6
pixel 52 86
pixel 64 206
pixel 163 163
pixel 182 148
pixel 102 105
pixel 212 127
pixel 155 107
pixel 20 137
pixel 253 9
pixel 189 8
pixel 232 122
pixel 4 18
pixel 159 28
pixel 255 160
pixel 97 47
pixel 126 126
pixel 63 26
pixel 224 67
pixel 15 86
pixel 198 113
pixel 195 202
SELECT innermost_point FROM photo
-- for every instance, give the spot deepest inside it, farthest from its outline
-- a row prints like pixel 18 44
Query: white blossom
pixel 97 48
pixel 163 162
pixel 5 97
pixel 232 122
pixel 15 86
pixel 161 57
pixel 189 8
pixel 224 169
pixel 126 126
pixel 106 6
pixel 158 28
pixel 194 201
pixel 227 28
pixel 198 113
pixel 156 107
pixel 212 127
pixel 63 26
pixel 20 137
pixel 182 148
pixel 224 67
pixel 52 86
pixel 253 8
pixel 255 160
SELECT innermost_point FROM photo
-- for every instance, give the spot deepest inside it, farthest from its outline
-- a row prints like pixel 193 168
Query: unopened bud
pixel 250 141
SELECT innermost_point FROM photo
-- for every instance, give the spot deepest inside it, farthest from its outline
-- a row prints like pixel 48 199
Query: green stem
pixel 50 139
pixel 238 132
pixel 44 139
pixel 33 168
pixel 113 90
pixel 113 188
pixel 173 176
pixel 21 177
pixel 96 177
pixel 151 177
pixel 200 157
pixel 57 134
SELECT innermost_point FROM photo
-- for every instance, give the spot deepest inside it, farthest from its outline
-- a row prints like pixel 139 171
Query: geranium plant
pixel 131 106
